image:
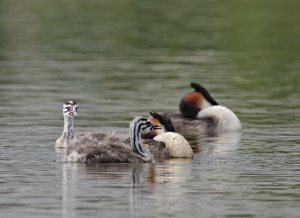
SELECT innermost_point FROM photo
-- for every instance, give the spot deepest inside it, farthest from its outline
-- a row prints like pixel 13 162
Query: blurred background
pixel 119 59
pixel 113 56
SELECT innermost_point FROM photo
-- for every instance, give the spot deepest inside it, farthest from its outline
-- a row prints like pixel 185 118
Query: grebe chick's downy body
pixel 106 148
pixel 201 114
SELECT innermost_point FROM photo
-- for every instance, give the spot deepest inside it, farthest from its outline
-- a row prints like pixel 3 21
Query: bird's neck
pixel 68 133
pixel 138 147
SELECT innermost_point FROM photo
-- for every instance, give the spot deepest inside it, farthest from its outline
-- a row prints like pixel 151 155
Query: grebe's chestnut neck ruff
pixel 195 101
pixel 163 120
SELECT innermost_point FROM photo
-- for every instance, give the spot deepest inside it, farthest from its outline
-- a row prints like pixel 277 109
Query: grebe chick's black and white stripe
pixel 201 114
pixel 105 148
pixel 70 109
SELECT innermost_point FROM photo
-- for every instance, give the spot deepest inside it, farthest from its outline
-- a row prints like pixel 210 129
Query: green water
pixel 122 59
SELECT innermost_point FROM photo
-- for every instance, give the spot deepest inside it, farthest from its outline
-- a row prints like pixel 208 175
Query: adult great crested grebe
pixel 100 147
pixel 201 114
pixel 169 145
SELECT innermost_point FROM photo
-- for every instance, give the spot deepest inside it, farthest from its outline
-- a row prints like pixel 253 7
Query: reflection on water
pixel 112 183
pixel 219 144
pixel 119 60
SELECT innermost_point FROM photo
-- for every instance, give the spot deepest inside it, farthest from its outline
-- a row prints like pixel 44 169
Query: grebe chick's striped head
pixel 143 125
pixel 195 101
pixel 70 109
pixel 139 126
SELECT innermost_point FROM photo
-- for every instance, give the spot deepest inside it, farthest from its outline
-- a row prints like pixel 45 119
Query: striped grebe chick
pixel 201 114
pixel 105 148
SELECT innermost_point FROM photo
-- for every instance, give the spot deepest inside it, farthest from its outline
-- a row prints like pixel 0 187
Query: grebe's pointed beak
pixel 155 126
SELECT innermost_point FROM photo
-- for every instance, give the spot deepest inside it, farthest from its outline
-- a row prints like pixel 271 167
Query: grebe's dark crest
pixel 200 113
pixel 163 120
pixel 195 101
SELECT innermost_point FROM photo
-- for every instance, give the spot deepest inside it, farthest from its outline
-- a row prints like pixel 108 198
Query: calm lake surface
pixel 119 60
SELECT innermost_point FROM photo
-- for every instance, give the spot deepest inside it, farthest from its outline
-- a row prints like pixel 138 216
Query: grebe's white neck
pixel 68 132
pixel 176 144
pixel 70 109
pixel 226 120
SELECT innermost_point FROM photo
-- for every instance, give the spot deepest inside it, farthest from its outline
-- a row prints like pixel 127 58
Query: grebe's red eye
pixel 149 123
